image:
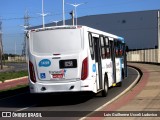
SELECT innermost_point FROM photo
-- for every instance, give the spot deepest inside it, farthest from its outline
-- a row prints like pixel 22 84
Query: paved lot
pixel 8 67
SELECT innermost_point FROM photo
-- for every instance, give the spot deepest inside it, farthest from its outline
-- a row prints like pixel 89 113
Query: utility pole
pixel 1 45
pixel 26 25
pixel 15 50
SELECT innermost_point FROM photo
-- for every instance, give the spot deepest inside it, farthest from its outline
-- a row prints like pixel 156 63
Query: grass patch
pixel 11 75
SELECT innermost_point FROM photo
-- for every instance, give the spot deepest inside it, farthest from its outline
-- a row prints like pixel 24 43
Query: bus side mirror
pixel 127 48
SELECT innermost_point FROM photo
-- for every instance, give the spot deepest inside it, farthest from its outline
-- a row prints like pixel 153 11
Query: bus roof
pixel 78 27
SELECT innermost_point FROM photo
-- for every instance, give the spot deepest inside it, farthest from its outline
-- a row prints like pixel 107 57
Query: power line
pixel 87 8
pixel 33 17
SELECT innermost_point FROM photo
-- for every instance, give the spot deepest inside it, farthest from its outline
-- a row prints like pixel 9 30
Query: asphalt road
pixel 24 101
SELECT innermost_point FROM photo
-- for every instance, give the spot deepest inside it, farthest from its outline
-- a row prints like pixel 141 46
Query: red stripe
pixel 10 84
pixel 127 97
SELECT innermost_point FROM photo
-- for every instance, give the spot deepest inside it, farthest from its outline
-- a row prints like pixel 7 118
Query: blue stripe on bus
pixel 121 38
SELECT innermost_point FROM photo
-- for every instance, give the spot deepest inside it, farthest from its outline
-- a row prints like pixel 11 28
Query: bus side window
pixel 116 48
pixel 107 52
pixel 103 49
pixel 121 50
pixel 91 45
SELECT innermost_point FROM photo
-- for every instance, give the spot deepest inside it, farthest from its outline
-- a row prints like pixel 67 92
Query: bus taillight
pixel 32 72
pixel 84 72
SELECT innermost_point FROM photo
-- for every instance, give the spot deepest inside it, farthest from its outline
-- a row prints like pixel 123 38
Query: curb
pixel 117 97
pixel 8 84
pixel 124 92
pixel 15 79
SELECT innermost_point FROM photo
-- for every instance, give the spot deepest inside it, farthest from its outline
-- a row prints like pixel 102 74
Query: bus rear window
pixel 56 41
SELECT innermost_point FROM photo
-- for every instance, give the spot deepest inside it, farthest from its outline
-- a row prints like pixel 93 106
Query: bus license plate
pixel 59 76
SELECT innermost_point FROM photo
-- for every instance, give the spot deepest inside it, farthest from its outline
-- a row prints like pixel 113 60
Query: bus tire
pixel 123 76
pixel 105 91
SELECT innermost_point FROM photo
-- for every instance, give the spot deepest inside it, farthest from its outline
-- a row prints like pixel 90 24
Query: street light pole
pixel 56 22
pixel 43 15
pixel 72 15
pixel 63 11
pixel 76 14
pixel 75 7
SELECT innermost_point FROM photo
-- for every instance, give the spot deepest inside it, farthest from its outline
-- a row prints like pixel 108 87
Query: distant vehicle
pixel 74 59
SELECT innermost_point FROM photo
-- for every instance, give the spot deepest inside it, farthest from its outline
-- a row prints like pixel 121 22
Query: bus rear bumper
pixel 76 86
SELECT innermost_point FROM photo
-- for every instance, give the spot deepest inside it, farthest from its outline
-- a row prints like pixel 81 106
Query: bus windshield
pixel 56 41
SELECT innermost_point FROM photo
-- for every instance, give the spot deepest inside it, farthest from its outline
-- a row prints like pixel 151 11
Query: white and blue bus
pixel 74 59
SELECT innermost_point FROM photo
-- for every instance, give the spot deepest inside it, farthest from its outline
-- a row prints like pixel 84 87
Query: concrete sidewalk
pixel 145 96
pixel 13 83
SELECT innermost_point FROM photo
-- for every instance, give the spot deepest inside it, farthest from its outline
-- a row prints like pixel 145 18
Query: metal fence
pixel 150 55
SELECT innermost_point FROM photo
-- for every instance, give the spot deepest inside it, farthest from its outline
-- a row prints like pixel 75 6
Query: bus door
pixel 113 58
pixel 98 62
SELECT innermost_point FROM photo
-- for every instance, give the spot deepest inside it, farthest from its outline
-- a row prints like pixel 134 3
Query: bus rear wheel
pixel 123 74
pixel 105 90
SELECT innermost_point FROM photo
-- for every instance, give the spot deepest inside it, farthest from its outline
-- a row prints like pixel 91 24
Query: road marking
pixel 26 108
pixel 18 95
pixel 115 98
